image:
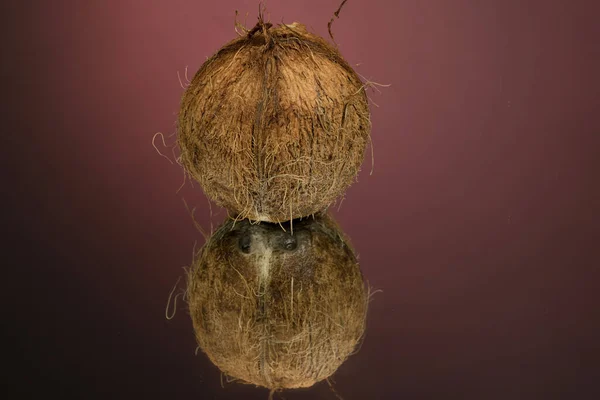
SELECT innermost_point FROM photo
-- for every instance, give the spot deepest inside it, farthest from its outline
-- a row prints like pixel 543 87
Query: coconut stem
pixel 261 24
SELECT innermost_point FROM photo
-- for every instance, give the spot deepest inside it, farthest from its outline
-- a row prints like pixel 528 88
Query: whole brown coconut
pixel 275 309
pixel 274 126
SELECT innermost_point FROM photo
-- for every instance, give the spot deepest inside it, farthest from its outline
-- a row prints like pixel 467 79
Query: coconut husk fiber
pixel 274 309
pixel 274 126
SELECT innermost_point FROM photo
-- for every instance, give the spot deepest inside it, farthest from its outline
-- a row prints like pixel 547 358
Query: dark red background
pixel 479 223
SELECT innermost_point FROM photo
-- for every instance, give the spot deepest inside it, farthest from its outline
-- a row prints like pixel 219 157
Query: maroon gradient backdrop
pixel 479 222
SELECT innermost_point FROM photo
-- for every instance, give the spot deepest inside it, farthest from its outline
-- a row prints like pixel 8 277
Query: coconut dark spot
pixel 244 243
pixel 289 243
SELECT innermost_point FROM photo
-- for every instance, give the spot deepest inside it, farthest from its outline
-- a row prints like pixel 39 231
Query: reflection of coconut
pixel 275 309
pixel 274 125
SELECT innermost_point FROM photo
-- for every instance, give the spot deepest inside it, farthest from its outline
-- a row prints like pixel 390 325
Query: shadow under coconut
pixel 274 308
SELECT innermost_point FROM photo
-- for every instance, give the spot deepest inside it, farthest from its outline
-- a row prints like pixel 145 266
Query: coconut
pixel 274 126
pixel 276 309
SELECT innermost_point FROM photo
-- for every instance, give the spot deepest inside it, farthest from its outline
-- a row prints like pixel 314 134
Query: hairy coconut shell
pixel 274 309
pixel 274 126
